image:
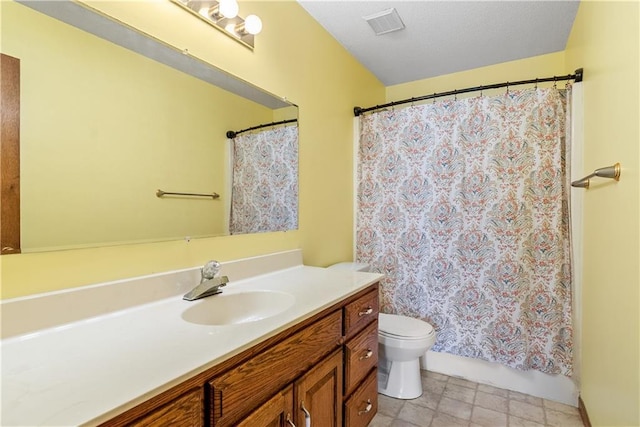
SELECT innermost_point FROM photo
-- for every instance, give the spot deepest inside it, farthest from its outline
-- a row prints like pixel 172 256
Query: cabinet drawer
pixel 361 354
pixel 187 410
pixel 360 313
pixel 241 389
pixel 362 406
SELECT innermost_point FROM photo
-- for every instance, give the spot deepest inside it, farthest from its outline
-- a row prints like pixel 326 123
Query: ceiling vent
pixel 385 22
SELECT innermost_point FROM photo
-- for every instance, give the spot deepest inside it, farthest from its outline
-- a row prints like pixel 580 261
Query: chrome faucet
pixel 210 282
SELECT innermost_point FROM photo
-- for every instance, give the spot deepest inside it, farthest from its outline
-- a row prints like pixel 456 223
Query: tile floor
pixel 454 402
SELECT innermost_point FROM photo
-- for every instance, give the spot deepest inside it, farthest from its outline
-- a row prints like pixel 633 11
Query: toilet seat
pixel 403 327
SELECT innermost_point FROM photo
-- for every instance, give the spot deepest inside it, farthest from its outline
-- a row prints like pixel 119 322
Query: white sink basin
pixel 236 308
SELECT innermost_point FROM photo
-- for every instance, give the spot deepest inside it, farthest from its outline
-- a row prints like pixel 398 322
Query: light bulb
pixel 253 24
pixel 204 11
pixel 229 8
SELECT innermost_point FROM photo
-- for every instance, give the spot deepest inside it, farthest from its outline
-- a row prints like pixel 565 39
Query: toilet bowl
pixel 401 342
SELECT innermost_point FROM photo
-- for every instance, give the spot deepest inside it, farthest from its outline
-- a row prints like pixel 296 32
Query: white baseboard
pixel 552 387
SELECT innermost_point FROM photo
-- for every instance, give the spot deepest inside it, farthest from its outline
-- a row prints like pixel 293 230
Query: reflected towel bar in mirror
pixel 606 172
pixel 161 193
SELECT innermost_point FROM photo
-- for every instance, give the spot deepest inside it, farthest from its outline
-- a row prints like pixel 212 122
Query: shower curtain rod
pixel 577 77
pixel 233 133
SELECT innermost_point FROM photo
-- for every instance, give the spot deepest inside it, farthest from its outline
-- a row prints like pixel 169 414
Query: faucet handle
pixel 210 270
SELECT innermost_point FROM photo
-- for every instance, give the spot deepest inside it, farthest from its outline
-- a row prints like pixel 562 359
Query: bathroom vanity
pixel 312 360
pixel 307 371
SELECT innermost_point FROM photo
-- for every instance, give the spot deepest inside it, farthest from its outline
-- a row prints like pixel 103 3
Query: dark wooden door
pixel 9 155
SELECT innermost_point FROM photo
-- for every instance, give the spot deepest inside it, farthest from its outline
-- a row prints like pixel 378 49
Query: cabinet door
pixel 318 394
pixel 276 412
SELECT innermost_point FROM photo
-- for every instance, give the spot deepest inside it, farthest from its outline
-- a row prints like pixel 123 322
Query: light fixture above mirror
pixel 223 15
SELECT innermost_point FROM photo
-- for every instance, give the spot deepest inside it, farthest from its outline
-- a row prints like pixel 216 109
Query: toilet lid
pixel 403 326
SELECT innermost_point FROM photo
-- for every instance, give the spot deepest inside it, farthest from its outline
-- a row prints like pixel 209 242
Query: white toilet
pixel 401 342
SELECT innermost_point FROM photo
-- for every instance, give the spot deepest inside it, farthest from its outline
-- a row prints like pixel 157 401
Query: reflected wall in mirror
pixel 104 127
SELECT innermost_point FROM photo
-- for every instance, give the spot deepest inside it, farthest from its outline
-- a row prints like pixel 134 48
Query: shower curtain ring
pixel 555 83
pixel 507 88
pixel 433 100
pixel 536 86
pixel 481 87
pixel 455 95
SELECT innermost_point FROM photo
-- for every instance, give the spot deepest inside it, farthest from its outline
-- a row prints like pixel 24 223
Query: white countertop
pixel 87 371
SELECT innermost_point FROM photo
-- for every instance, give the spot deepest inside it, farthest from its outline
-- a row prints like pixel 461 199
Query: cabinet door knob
pixel 369 310
pixel 289 420
pixel 367 355
pixel 307 415
pixel 367 408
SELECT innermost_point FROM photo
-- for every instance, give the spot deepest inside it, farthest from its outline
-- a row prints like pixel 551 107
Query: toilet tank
pixel 353 266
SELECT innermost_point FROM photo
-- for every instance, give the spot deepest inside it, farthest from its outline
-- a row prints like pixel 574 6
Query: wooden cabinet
pixel 315 398
pixel 362 405
pixel 276 412
pixel 360 312
pixel 361 360
pixel 323 367
pixel 361 356
pixel 318 394
pixel 241 389
pixel 185 411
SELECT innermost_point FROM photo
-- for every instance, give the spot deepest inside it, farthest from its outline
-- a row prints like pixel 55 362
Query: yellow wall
pixel 605 41
pixel 103 129
pixel 524 69
pixel 294 57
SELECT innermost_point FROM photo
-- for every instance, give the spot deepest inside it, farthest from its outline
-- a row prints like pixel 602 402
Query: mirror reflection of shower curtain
pixel 264 195
pixel 463 205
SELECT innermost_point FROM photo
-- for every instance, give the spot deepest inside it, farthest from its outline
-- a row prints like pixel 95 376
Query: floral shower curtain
pixel 265 181
pixel 463 205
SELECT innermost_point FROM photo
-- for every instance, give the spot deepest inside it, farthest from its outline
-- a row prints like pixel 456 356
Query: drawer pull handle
pixel 367 355
pixel 307 415
pixel 369 310
pixel 289 421
pixel 367 409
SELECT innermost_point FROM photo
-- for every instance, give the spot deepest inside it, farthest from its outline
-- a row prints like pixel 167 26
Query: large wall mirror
pixel 109 116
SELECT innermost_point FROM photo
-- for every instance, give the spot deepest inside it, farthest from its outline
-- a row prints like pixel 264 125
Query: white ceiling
pixel 443 37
